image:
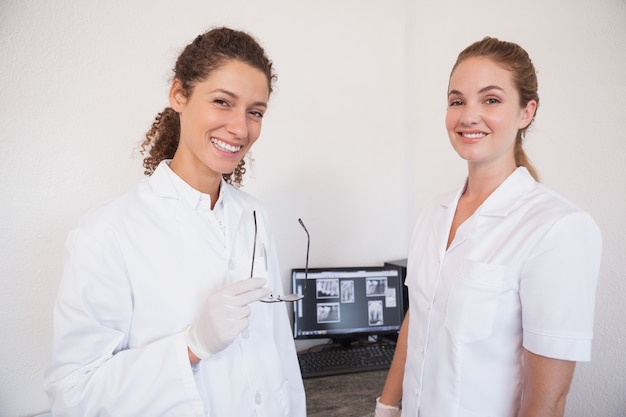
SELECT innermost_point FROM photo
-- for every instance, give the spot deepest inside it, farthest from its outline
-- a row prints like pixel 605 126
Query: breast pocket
pixel 473 301
pixel 260 266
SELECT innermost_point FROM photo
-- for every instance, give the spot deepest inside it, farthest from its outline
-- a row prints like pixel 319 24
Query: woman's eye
pixel 492 100
pixel 454 103
pixel 220 102
pixel 257 114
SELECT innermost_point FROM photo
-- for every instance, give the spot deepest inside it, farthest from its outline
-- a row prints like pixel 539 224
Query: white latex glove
pixel 225 315
pixel 384 410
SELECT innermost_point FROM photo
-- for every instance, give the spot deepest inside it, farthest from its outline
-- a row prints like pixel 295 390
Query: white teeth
pixel 225 146
pixel 474 135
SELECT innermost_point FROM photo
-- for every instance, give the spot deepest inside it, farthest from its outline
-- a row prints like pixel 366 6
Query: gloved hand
pixel 225 315
pixel 384 410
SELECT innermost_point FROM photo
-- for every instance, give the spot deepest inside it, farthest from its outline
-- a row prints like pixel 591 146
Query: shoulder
pixel 550 221
pixel 533 205
pixel 114 211
pixel 546 203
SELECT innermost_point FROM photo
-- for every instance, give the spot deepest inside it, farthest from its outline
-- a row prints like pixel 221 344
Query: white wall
pixel 353 143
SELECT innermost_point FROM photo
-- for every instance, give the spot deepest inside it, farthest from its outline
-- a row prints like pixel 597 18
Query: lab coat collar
pixel 166 184
pixel 161 183
pixel 499 204
pixel 163 186
pixel 504 198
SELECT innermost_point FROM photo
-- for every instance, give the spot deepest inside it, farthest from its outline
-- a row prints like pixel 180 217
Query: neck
pixel 482 182
pixel 205 182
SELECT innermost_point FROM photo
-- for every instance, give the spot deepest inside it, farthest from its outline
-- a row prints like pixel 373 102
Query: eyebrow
pixel 233 95
pixel 481 91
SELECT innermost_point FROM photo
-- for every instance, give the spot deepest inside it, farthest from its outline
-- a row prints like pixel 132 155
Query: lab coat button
pixel 258 398
pixel 231 265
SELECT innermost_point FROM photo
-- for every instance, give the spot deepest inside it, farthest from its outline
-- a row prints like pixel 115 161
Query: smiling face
pixel 484 113
pixel 219 121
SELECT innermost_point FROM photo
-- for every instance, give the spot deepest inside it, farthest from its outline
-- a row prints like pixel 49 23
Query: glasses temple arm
pixel 254 244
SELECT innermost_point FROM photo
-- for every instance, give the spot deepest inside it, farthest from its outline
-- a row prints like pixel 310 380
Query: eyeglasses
pixel 272 298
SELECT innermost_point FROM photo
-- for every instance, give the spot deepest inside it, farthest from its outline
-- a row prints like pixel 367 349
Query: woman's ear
pixel 176 96
pixel 527 114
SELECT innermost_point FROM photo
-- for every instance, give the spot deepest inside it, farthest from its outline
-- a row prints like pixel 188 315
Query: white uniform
pixel 521 271
pixel 136 274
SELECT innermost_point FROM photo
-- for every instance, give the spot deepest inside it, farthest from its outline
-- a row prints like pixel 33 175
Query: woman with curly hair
pixel 158 310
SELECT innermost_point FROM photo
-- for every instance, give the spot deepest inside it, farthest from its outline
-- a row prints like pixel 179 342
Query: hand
pixel 384 410
pixel 225 315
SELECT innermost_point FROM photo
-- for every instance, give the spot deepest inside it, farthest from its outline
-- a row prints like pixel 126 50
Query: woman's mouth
pixel 225 147
pixel 473 135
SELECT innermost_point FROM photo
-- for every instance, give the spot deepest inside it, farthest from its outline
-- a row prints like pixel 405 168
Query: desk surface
pixel 347 395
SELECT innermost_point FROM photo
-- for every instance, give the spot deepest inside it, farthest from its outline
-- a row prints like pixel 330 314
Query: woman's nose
pixel 470 115
pixel 238 124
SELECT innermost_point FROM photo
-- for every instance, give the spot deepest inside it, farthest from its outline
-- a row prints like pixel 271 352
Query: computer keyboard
pixel 342 360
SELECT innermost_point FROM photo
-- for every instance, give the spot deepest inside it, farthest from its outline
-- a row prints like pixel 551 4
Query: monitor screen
pixel 347 302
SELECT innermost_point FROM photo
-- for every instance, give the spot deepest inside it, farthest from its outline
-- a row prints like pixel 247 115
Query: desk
pixel 346 395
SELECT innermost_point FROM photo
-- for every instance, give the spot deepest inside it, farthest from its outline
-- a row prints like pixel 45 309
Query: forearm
pixel 392 390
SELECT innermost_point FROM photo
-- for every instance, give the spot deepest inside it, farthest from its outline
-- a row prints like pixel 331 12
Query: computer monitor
pixel 347 303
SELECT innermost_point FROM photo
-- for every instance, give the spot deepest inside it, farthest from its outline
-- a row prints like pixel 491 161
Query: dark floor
pixel 347 395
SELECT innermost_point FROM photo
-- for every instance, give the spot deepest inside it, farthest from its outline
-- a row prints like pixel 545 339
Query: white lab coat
pixel 137 272
pixel 521 272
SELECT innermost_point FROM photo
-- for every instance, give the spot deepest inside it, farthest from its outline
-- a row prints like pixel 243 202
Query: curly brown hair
pixel 204 55
pixel 515 59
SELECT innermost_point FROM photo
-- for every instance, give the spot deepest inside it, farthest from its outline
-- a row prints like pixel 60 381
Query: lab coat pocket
pixel 260 266
pixel 473 300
